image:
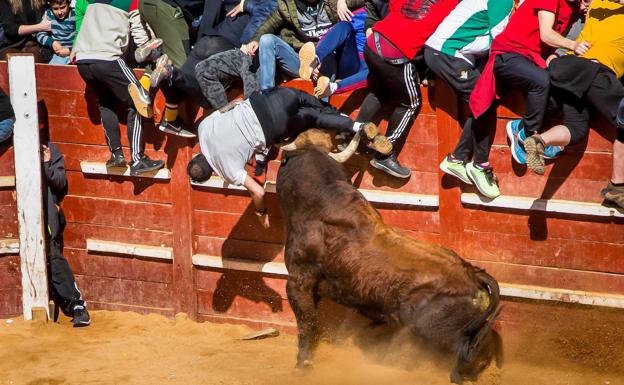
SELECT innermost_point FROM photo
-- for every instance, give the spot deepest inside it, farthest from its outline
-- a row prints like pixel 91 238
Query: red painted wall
pixel 533 248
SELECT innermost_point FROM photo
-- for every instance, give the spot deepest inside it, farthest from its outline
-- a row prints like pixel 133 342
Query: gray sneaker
pixel 146 51
pixel 391 165
pixel 613 194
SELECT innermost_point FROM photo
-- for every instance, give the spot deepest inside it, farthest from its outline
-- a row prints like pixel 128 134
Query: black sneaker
pixel 116 160
pixel 81 316
pixel 391 165
pixel 175 128
pixel 144 165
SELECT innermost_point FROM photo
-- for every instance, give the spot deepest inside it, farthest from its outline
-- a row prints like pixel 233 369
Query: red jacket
pixel 410 22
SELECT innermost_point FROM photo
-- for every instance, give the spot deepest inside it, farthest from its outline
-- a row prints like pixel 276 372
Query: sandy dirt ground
pixel 127 348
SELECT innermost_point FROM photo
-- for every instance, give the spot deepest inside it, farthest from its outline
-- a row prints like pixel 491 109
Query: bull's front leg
pixel 300 289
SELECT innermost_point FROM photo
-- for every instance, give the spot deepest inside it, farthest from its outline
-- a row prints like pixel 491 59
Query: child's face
pixel 60 11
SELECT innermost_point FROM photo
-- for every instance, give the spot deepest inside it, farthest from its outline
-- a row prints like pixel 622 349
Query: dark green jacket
pixel 283 21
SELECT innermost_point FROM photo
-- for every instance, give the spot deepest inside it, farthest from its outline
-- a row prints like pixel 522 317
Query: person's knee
pixel 267 41
pixel 344 27
pixel 541 83
pixel 577 132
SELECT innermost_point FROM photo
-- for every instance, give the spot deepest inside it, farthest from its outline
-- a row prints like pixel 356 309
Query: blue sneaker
pixel 513 131
pixel 551 152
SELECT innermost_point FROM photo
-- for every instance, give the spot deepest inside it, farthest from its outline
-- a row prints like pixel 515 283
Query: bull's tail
pixel 475 332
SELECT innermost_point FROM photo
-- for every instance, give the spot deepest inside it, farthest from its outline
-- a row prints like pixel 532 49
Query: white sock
pixel 357 126
pixel 333 87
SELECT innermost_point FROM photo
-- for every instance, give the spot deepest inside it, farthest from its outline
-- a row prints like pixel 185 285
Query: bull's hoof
pixel 304 367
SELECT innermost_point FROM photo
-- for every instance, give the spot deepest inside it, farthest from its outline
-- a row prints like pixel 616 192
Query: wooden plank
pixel 130 249
pixel 7 181
pixel 76 235
pixel 126 292
pixel 245 227
pixel 112 187
pixel 28 184
pixel 114 266
pixel 229 248
pixel 99 168
pixel 216 182
pixel 547 205
pixel 119 213
pixel 277 268
pixel 507 290
pixel 9 246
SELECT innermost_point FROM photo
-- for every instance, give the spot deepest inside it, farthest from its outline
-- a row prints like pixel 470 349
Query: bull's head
pixel 323 140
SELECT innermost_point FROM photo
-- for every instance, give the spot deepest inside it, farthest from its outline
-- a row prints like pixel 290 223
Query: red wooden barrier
pixel 555 250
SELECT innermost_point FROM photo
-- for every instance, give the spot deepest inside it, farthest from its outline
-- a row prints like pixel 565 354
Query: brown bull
pixel 338 247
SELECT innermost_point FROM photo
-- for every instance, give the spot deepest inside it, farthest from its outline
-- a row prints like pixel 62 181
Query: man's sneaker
pixel 116 160
pixel 552 152
pixel 391 165
pixel 81 316
pixel 163 70
pixel 455 168
pixel 484 179
pixel 614 194
pixel 176 128
pixel 144 165
pixel 380 143
pixel 534 146
pixel 144 52
pixel 141 100
pixel 513 130
pixel 322 89
pixel 307 60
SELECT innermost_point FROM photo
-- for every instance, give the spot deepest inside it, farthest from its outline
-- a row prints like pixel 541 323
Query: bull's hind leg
pixel 302 298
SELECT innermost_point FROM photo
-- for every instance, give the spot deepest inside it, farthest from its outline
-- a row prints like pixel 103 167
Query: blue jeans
pixel 56 59
pixel 275 50
pixel 340 59
pixel 6 129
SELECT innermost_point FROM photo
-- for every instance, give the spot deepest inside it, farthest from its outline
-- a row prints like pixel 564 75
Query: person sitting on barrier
pixel 336 64
pixel 63 288
pixel 391 52
pixel 103 37
pixel 62 33
pixel 228 138
pixel 297 22
pixel 7 117
pixel 589 80
pixel 225 26
pixel 455 53
pixel 19 20
pixel 518 60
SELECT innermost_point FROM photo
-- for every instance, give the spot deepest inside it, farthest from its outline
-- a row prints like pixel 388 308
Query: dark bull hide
pixel 338 247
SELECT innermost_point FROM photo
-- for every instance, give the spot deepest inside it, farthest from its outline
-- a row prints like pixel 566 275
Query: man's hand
pixel 264 220
pixel 369 31
pixel 250 48
pixel 550 58
pixel 45 25
pixel 315 73
pixel 343 11
pixel 236 10
pixel 46 154
pixel 60 49
pixel 581 47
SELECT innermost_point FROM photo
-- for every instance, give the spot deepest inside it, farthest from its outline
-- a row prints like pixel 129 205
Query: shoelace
pixel 489 173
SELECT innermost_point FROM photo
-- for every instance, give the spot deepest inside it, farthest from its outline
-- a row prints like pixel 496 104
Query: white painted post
pixel 23 89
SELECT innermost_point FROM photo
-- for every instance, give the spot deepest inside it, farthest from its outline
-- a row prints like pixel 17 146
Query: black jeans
pixel 604 96
pixel 397 85
pixel 461 76
pixel 184 81
pixel 110 80
pixel 63 289
pixel 516 71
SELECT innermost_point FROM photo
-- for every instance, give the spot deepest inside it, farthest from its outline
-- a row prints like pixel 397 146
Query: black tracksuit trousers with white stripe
pixel 397 85
pixel 109 81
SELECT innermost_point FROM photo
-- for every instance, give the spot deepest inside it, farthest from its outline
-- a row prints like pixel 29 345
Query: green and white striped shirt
pixel 469 29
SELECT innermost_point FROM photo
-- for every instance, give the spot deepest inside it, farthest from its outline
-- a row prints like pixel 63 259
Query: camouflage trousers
pixel 216 75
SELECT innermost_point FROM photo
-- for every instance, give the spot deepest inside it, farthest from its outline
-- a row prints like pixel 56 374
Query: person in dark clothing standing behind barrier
pixel 229 138
pixel 19 20
pixel 63 289
pixel 7 117
pixel 390 54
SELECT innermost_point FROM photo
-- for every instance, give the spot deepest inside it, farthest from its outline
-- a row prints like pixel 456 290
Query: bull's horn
pixel 345 154
pixel 289 147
